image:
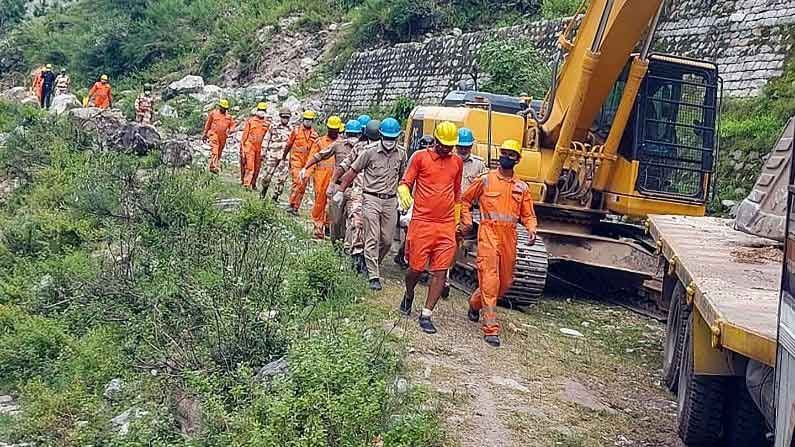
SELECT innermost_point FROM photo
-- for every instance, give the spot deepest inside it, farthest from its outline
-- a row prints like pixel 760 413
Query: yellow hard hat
pixel 48 67
pixel 263 106
pixel 335 122
pixel 103 77
pixel 224 103
pixel 309 114
pixel 446 133
pixel 511 145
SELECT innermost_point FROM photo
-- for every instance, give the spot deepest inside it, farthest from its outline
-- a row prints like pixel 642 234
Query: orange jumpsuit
pixel 299 142
pixel 321 177
pixel 38 83
pixel 100 94
pixel 436 182
pixel 253 133
pixel 503 202
pixel 216 129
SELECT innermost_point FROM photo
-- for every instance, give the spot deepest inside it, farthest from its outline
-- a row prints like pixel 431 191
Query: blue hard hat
pixel 465 137
pixel 353 126
pixel 390 128
pixel 364 119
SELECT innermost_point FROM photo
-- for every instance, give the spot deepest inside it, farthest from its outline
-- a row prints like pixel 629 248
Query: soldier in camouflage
pixel 277 167
pixel 144 104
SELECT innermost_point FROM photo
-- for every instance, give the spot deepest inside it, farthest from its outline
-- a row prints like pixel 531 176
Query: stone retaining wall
pixel 748 39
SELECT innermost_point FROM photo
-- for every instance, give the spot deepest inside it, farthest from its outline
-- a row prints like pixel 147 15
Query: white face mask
pixel 260 113
pixel 388 144
pixel 307 123
pixel 285 121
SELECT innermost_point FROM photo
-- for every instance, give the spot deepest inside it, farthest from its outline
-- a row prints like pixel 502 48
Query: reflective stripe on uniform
pixel 498 217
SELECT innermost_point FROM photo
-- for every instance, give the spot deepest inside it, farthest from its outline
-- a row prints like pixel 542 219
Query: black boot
pixel 427 325
pixel 446 291
pixel 473 315
pixel 492 340
pixel 375 284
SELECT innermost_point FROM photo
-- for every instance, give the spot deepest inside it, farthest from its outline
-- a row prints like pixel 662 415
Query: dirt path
pixel 541 388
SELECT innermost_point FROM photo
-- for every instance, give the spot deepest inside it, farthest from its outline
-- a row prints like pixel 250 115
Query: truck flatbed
pixel 732 278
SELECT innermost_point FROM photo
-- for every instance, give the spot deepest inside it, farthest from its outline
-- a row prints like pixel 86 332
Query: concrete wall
pixel 748 39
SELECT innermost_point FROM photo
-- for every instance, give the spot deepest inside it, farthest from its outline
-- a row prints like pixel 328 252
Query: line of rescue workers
pixel 364 184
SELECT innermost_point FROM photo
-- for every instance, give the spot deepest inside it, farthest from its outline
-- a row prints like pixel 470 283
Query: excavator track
pixel 530 273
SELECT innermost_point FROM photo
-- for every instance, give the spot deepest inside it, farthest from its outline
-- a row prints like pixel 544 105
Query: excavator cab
pixel 672 130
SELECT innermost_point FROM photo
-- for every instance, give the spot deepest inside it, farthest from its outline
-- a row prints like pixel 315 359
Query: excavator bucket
pixel 763 212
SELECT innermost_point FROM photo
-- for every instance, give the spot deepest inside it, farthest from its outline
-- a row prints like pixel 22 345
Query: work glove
pixel 85 101
pixel 404 197
pixel 338 197
pixel 302 174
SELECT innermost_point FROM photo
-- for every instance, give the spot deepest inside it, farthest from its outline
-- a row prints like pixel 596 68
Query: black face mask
pixel 507 162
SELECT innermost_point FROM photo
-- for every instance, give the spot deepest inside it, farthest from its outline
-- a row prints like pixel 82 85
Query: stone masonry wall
pixel 748 39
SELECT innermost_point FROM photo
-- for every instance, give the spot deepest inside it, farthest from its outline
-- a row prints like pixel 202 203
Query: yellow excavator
pixel 621 134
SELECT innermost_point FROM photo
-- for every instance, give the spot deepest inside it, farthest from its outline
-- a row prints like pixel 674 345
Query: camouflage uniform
pixel 278 169
pixel 354 230
pixel 143 108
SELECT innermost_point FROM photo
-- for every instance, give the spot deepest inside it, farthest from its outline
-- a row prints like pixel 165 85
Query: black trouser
pixel 46 97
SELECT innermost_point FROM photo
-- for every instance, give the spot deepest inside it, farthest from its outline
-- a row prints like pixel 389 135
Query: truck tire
pixel 700 402
pixel 745 425
pixel 678 314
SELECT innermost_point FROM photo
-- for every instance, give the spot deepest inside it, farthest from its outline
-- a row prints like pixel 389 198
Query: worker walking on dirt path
pixel 144 105
pixel 504 201
pixel 47 86
pixel 101 94
pixel 274 154
pixel 404 218
pixel 298 144
pixel 321 173
pixel 253 134
pixel 216 130
pixel 434 174
pixel 381 165
pixel 337 152
pixel 62 83
pixel 354 224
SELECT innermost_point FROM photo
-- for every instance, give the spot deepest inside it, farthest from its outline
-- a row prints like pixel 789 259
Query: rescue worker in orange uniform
pixel 216 131
pixel 100 95
pixel 38 81
pixel 504 201
pixel 253 133
pixel 321 173
pixel 298 144
pixel 434 174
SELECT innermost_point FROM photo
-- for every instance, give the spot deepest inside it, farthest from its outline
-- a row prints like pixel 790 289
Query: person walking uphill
pixel 216 131
pixel 381 164
pixel 504 200
pixel 253 133
pixel 298 144
pixel 276 141
pixel 100 95
pixel 340 150
pixel 47 86
pixel 434 175
pixel 144 104
pixel 321 174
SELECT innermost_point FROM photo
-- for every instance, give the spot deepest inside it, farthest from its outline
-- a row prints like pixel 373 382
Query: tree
pixel 514 67
pixel 11 12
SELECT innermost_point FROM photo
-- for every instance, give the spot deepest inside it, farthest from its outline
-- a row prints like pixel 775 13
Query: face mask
pixel 388 144
pixel 260 114
pixel 464 154
pixel 507 162
pixel 444 151
pixel 307 123
pixel 333 134
pixel 285 121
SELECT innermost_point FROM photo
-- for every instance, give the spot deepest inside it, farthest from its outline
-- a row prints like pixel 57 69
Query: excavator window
pixel 673 129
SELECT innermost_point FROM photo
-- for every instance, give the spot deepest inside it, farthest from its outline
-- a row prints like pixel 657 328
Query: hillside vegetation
pixel 135 311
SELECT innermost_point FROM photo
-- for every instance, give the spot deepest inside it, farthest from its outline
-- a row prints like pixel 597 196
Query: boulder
pixel 177 153
pixel 113 389
pixel 284 92
pixel 213 91
pixel 17 94
pixel 134 138
pixel 64 103
pixel 121 423
pixel 168 112
pixel 104 121
pixel 273 369
pixel 259 91
pixel 185 86
pixel 294 105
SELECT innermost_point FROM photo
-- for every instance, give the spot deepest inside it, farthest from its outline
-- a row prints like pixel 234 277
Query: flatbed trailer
pixel 723 286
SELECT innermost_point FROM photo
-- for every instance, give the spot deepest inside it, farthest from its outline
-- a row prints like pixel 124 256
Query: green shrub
pixel 514 67
pixel 11 12
pixel 555 9
pixel 28 344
